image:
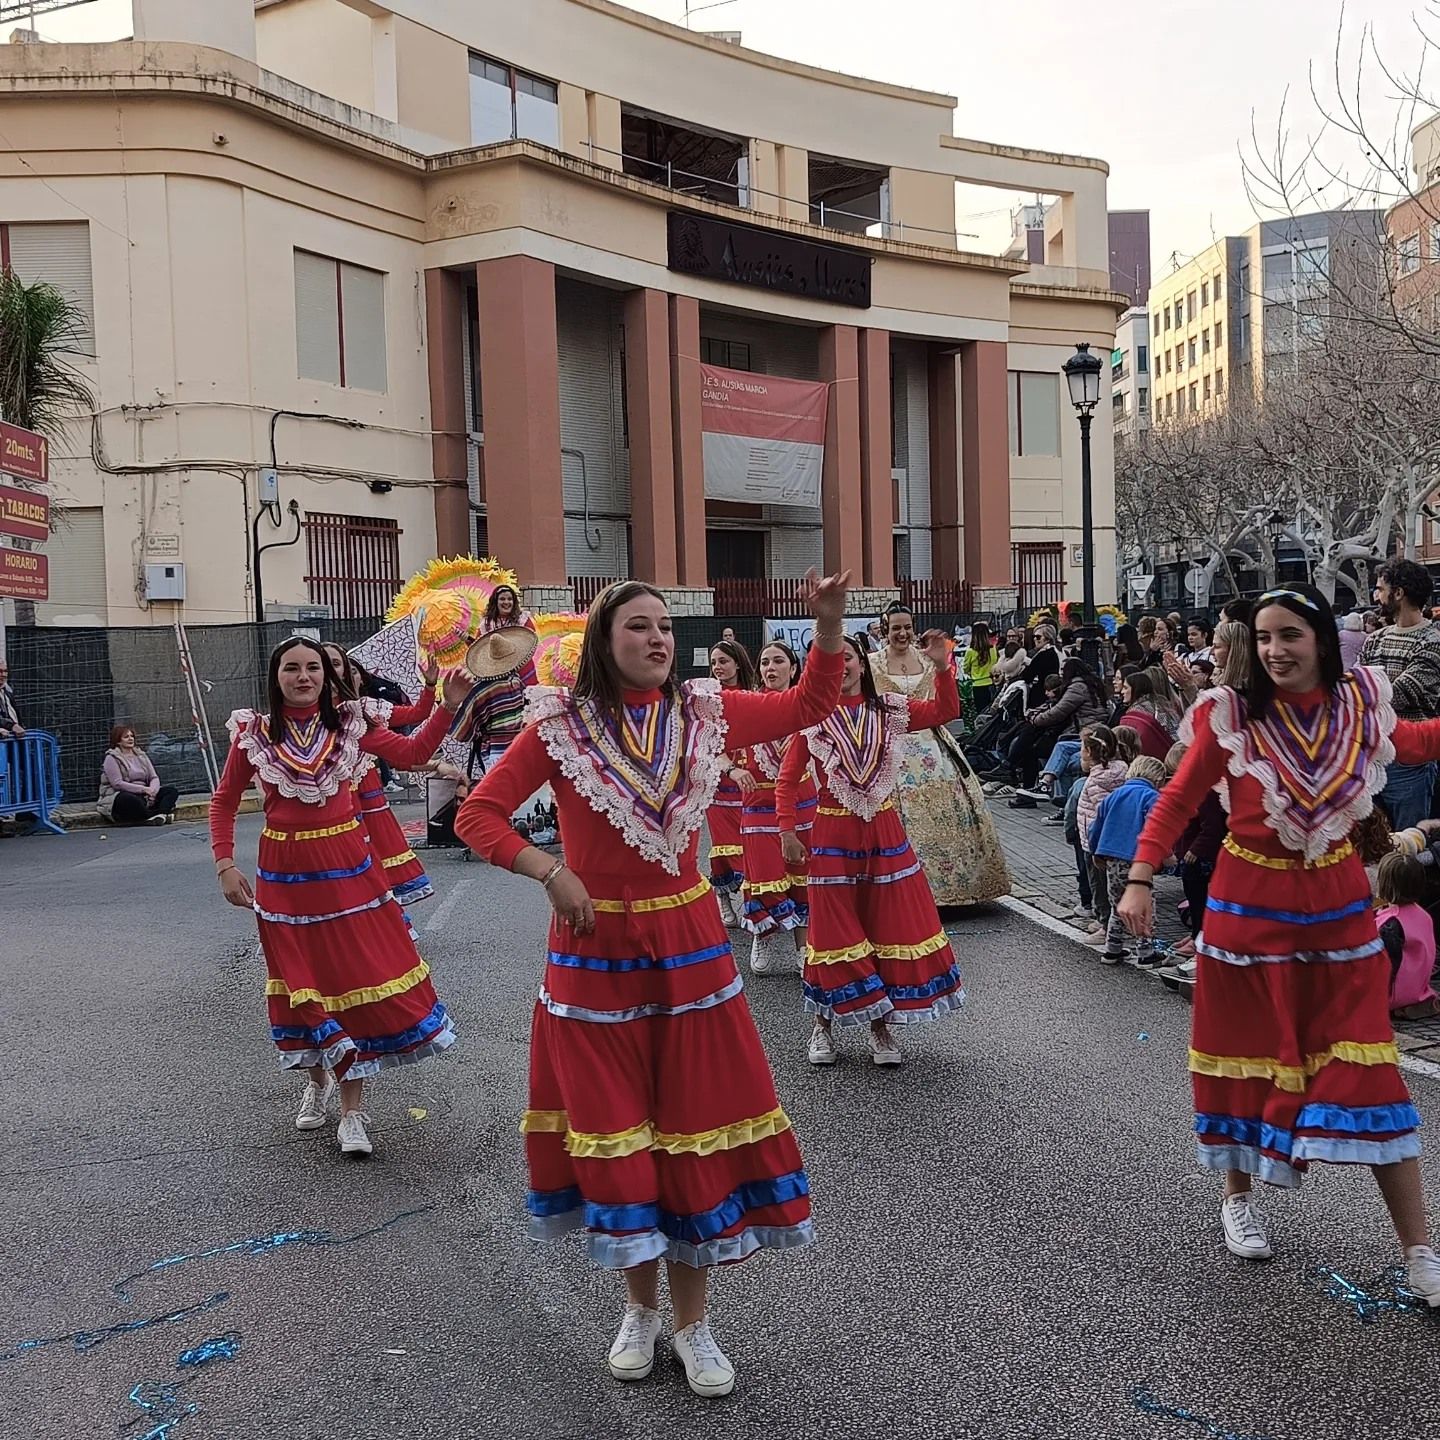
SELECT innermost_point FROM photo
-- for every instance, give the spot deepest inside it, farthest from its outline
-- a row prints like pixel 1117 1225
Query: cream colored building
pixel 411 269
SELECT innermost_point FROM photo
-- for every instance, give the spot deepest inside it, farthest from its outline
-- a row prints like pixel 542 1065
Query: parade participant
pixel 731 665
pixel 1292 1054
pixel 399 863
pixel 348 994
pixel 944 810
pixel 503 608
pixel 773 893
pixel 877 953
pixel 653 1122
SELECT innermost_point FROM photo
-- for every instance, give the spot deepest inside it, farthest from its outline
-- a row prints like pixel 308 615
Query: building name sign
pixel 748 255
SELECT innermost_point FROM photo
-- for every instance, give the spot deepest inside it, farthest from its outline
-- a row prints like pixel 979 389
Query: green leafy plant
pixel 39 388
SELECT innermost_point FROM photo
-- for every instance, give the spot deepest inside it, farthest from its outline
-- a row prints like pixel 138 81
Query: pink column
pixel 877 491
pixel 840 505
pixel 652 437
pixel 985 461
pixel 945 557
pixel 520 373
pixel 445 337
pixel 689 447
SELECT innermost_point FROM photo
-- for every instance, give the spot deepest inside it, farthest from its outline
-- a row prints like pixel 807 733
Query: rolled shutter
pixel 317 318
pixel 59 254
pixel 363 296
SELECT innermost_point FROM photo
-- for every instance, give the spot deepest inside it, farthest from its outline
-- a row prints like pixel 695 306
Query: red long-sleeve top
pixel 593 847
pixel 924 715
pixel 285 812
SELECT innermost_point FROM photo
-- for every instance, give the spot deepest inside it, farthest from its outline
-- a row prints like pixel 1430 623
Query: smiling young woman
pixel 1292 1054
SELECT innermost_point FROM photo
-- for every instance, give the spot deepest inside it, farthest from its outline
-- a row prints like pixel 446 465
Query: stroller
pixel 986 748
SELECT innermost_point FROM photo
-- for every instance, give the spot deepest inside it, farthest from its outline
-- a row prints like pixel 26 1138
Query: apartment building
pixel 1130 373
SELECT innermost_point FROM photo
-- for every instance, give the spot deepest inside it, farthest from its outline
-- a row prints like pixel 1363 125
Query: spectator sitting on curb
pixel 130 789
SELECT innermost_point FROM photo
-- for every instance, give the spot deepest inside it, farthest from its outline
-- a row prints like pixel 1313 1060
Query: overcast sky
pixel 1165 91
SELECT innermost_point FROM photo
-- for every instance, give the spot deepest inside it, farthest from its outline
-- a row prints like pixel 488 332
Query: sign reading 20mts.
pixel 24 454
pixel 24 514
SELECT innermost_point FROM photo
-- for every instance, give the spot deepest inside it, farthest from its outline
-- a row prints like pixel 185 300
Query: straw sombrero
pixel 501 651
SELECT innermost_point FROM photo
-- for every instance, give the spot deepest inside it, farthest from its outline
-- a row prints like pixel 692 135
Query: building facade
pixel 1130 373
pixel 1130 255
pixel 369 283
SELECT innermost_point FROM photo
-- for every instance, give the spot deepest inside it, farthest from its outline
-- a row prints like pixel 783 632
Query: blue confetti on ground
pixel 1363 1299
pixel 1145 1401
pixel 265 1245
pixel 84 1340
pixel 218 1347
pixel 160 1404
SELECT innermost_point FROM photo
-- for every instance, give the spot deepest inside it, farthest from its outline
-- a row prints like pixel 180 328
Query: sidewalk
pixel 189 809
pixel 1044 869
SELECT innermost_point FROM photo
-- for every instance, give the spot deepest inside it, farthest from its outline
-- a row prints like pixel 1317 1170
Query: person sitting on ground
pixel 1114 839
pixel 130 790
pixel 1408 934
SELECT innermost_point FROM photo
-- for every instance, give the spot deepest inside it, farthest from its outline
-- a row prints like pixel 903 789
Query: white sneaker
pixel 632 1356
pixel 728 911
pixel 157 820
pixel 707 1368
pixel 394 787
pixel 883 1048
pixel 822 1047
pixel 313 1103
pixel 354 1137
pixel 763 957
pixel 1245 1232
pixel 1422 1274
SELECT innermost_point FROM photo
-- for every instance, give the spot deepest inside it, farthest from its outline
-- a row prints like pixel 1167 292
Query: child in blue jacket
pixel 1114 837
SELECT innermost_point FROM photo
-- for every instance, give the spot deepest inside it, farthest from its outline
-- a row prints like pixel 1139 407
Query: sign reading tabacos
pixel 24 513
pixel 23 453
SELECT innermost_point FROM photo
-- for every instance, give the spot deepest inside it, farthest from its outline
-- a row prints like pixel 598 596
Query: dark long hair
pixel 1141 687
pixel 596 677
pixel 329 715
pixel 1308 605
pixel 745 678
pixel 981 641
pixel 788 653
pixel 1128 642
pixel 349 680
pixel 1076 669
pixel 867 675
pixel 492 606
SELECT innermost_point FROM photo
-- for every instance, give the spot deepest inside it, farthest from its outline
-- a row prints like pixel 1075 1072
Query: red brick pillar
pixel 689 447
pixel 946 561
pixel 985 461
pixel 520 373
pixel 877 490
pixel 652 437
pixel 445 340
pixel 840 480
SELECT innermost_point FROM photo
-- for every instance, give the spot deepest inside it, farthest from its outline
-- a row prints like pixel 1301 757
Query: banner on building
pixel 798 634
pixel 764 437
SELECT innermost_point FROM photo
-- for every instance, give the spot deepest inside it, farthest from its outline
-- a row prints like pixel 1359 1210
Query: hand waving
pixel 827 597
pixel 458 685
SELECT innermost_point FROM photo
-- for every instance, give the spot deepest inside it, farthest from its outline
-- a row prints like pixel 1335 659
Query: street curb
pixel 86 817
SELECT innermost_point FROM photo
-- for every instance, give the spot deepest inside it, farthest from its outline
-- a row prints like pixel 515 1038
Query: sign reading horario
pixel 764 437
pixel 24 514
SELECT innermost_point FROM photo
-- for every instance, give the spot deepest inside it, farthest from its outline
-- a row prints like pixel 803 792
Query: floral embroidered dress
pixel 877 950
pixel 1292 1053
pixel 652 1120
pixel 401 865
pixel 773 890
pixel 944 808
pixel 347 988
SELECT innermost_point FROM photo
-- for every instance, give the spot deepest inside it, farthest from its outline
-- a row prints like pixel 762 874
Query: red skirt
pixel 726 849
pixel 400 865
pixel 653 1123
pixel 773 891
pixel 347 988
pixel 1292 1052
pixel 877 949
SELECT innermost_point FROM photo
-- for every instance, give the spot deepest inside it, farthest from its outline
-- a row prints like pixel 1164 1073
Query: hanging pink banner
pixel 764 437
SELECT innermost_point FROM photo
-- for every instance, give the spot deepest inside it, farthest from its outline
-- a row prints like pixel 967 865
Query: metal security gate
pixel 353 563
pixel 1038 570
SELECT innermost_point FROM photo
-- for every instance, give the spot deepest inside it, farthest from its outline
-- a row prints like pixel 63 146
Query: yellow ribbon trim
pixel 727 850
pixel 1291 1077
pixel 618 1144
pixel 325 834
pixel 403 858
pixel 367 995
pixel 841 810
pixel 769 887
pixel 881 952
pixel 1274 862
pixel 655 902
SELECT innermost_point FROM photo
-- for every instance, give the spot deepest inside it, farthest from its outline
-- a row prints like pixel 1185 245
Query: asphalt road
pixel 1013 1240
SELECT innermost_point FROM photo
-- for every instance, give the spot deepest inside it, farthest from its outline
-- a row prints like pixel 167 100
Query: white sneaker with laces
pixel 632 1356
pixel 822 1047
pixel 762 955
pixel 883 1048
pixel 707 1368
pixel 313 1103
pixel 1245 1232
pixel 353 1136
pixel 730 911
pixel 1422 1274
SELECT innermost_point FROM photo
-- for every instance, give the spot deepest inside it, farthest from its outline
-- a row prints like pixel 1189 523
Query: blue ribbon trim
pixel 884 852
pixel 314 1036
pixel 638 962
pixel 1288 917
pixel 426 1029
pixel 554 1202
pixel 843 994
pixel 302 877
pixel 1360 1119
pixel 940 985
pixel 1257 1134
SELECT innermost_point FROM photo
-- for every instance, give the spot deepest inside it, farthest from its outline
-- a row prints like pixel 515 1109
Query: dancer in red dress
pixel 653 1123
pixel 731 665
pixel 1292 1053
pixel 877 950
pixel 348 993
pixel 400 864
pixel 774 904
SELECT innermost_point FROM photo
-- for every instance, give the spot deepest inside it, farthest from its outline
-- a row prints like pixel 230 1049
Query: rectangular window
pixel 1180 403
pixel 1408 253
pixel 1435 242
pixel 509 104
pixel 1167 317
pixel 1204 294
pixel 1276 272
pixel 1170 405
pixel 1219 334
pixel 1205 341
pixel 1244 285
pixel 57 253
pixel 1142 400
pixel 1205 389
pixel 1190 353
pixel 1215 286
pixel 1034 413
pixel 1142 359
pixel 1117 402
pixel 1194 397
pixel 1168 357
pixel 1219 382
pixel 1244 333
pixel 1179 357
pixel 1157 322
pixel 352 563
pixel 339 322
pixel 1190 309
pixel 732 354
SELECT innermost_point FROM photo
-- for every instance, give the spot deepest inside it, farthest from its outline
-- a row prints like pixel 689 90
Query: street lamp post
pixel 1082 375
pixel 1276 526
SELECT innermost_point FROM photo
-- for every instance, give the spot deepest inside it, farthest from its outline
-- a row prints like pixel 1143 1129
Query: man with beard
pixel 1407 648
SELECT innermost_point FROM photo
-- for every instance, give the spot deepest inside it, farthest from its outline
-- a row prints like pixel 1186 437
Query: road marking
pixel 441 913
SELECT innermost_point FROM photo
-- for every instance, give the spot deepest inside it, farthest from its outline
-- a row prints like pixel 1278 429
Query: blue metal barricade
pixel 30 777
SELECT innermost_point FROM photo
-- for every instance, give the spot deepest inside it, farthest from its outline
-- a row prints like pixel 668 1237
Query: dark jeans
pixel 1082 877
pixel 1196 881
pixel 1029 750
pixel 137 809
pixel 983 695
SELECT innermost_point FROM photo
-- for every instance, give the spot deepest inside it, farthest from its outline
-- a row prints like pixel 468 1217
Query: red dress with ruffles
pixel 727 847
pixel 347 988
pixel 408 880
pixel 1292 1054
pixel 652 1120
pixel 877 949
pixel 773 890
